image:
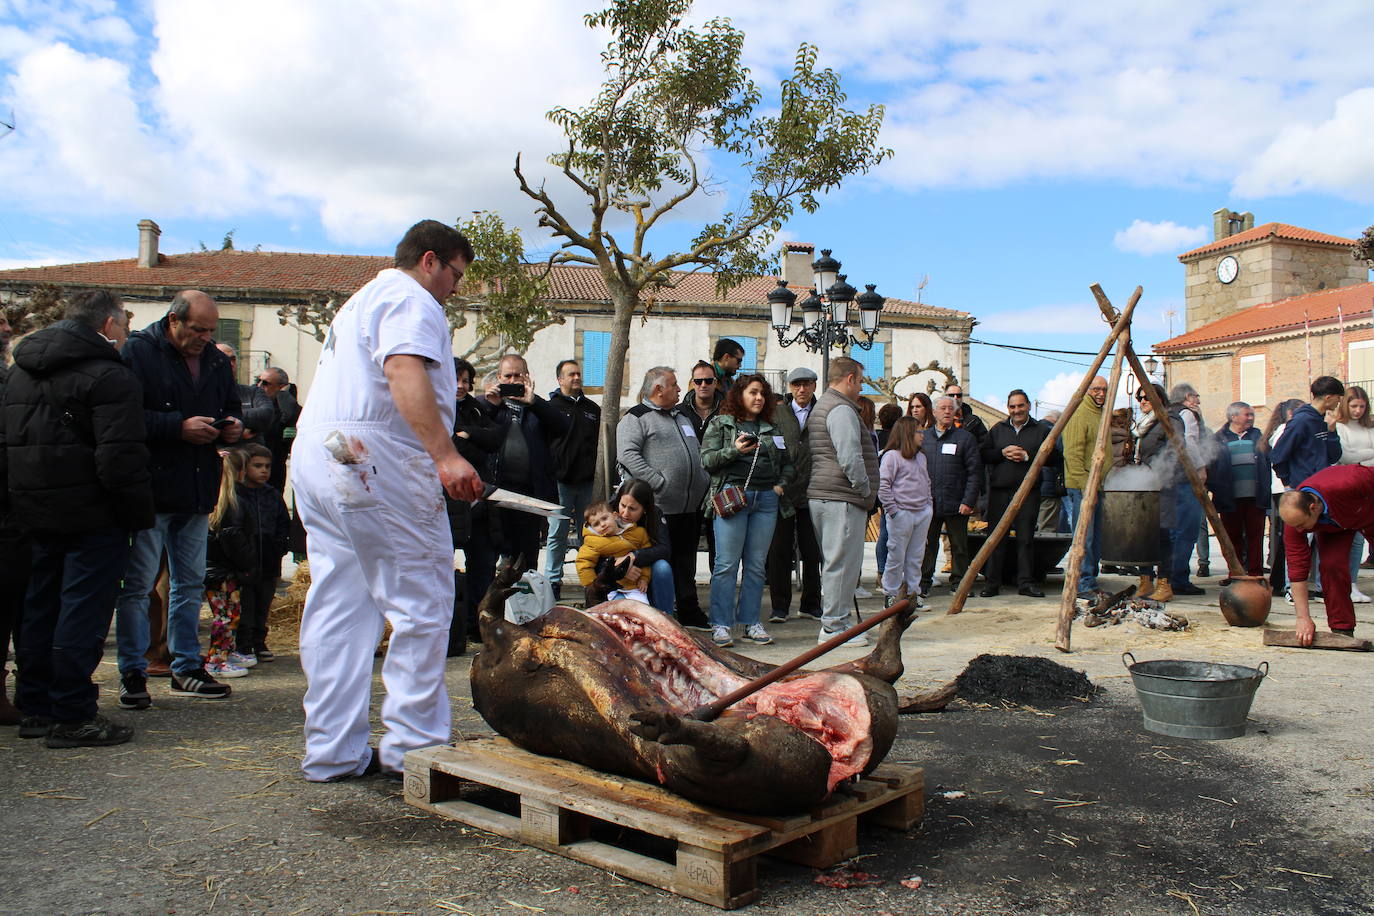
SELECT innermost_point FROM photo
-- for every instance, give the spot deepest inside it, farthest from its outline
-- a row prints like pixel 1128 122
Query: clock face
pixel 1227 269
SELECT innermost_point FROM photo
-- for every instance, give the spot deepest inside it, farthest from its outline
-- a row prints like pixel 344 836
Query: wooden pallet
pixel 712 854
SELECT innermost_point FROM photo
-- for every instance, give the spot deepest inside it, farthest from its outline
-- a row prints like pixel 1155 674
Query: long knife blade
pixel 509 499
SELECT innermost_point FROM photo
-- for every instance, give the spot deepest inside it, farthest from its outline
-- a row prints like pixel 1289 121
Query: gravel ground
pixel 205 810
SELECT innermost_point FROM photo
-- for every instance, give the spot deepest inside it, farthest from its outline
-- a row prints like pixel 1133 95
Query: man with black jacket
pixel 74 473
pixel 524 462
pixel 190 405
pixel 1007 454
pixel 795 537
pixel 574 465
pixel 956 476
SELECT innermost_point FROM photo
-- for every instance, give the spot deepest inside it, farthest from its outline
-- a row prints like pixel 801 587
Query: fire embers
pixel 1147 613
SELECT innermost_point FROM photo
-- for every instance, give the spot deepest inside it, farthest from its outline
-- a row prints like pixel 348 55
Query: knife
pixel 509 499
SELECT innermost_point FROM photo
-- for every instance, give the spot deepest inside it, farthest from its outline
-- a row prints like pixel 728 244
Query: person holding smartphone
pixel 524 463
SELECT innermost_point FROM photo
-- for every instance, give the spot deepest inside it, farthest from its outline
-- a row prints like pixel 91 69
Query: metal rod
pixel 710 711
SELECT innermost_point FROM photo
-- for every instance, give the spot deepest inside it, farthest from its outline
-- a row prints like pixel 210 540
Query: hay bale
pixel 284 617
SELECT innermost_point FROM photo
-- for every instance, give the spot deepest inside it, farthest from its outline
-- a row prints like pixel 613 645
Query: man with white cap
pixel 372 461
pixel 795 536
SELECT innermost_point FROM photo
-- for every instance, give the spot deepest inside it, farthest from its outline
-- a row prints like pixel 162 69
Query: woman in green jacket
pixel 741 446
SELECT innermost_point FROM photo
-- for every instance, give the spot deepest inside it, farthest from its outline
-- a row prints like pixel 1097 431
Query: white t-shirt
pixel 391 315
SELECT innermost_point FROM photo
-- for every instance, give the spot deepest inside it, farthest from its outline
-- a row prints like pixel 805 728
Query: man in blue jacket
pixel 190 405
pixel 1309 441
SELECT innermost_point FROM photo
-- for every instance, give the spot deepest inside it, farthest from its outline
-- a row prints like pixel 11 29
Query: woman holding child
pixel 743 448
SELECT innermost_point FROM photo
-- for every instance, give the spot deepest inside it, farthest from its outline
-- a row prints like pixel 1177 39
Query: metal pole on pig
pixel 1032 479
pixel 1088 510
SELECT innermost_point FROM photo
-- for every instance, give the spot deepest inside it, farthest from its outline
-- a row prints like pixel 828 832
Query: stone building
pixel 1269 308
pixel 679 326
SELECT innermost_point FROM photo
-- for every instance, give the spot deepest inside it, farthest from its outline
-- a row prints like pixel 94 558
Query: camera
pixel 511 390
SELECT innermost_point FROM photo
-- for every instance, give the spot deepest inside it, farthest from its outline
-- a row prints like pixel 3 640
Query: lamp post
pixel 827 312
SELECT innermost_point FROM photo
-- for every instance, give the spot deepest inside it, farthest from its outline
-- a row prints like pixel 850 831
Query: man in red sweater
pixel 1334 503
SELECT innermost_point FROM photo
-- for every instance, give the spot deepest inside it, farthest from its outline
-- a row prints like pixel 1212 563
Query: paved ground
pixel 205 811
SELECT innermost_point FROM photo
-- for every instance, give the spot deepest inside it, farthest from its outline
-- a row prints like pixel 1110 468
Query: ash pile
pixel 1111 609
pixel 1023 681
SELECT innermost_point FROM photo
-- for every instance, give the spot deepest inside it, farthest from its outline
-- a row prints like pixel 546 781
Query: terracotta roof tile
pixel 799 246
pixel 1354 302
pixel 1269 230
pixel 294 273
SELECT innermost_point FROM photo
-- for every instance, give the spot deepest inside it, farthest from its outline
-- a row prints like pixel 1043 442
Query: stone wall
pixel 1270 269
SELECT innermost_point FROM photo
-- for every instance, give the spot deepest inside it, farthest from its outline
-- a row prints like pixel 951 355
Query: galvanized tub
pixel 1130 527
pixel 1194 699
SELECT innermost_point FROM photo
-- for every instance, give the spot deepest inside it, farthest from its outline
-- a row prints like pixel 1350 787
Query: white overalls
pixel 379 541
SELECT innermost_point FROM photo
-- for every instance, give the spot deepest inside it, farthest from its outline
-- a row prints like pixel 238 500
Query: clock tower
pixel 1249 265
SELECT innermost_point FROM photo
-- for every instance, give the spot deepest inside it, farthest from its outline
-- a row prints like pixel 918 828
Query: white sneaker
pixel 826 636
pixel 758 634
pixel 243 661
pixel 1288 595
pixel 1358 596
pixel 225 670
pixel 861 592
pixel 721 637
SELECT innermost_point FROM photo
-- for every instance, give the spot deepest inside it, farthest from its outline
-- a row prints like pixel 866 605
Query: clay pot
pixel 1246 601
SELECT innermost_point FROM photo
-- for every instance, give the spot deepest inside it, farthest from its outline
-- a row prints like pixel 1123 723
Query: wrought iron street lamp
pixel 826 313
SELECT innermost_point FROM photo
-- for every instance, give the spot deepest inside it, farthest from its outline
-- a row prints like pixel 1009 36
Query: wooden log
pixel 1228 549
pixel 928 700
pixel 1289 639
pixel 1031 482
pixel 1088 509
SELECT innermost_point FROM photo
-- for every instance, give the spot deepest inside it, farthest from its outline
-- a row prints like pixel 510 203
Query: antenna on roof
pixel 920 286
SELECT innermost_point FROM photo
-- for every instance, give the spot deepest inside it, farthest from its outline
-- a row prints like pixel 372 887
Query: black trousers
pixel 999 501
pixel 67 615
pixel 794 537
pixel 255 599
pixel 684 530
pixel 956 526
pixel 16 559
pixel 497 533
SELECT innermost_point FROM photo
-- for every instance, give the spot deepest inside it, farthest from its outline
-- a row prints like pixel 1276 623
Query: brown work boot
pixel 9 715
pixel 1163 592
pixel 1146 586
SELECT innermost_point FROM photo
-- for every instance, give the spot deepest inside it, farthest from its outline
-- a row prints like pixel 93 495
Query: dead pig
pixel 612 688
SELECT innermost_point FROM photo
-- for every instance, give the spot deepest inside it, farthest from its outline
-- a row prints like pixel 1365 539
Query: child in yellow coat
pixel 603 542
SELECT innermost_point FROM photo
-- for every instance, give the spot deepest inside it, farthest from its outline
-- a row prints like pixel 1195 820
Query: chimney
pixel 796 263
pixel 148 232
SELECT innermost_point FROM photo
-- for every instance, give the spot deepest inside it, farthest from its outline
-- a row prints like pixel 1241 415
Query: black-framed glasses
pixel 457 274
pixel 959 395
pixel 703 381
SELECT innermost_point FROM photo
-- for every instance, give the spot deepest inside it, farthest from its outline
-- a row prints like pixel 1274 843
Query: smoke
pixel 1133 477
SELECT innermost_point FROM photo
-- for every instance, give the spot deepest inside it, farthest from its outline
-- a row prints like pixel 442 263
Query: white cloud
pixel 1057 320
pixel 1332 157
pixel 1056 391
pixel 367 119
pixel 1141 237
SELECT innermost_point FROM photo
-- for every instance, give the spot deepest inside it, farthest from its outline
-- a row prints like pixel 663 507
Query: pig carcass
pixel 613 687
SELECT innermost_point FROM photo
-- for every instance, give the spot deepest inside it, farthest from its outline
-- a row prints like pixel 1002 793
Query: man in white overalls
pixel 372 459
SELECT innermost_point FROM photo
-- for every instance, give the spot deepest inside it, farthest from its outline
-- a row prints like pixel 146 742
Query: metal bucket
pixel 1195 699
pixel 1130 527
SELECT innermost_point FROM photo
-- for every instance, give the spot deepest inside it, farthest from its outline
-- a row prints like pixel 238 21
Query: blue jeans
pixel 70 599
pixel 1187 519
pixel 661 589
pixel 573 497
pixel 742 539
pixel 880 549
pixel 184 536
pixel 1092 551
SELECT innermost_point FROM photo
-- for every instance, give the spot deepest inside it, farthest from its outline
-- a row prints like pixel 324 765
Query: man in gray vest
pixel 844 482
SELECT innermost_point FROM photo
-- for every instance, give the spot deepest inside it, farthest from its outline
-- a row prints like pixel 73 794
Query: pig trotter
pixel 710 741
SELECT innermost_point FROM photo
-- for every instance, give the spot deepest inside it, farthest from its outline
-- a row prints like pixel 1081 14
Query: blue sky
pixel 1040 146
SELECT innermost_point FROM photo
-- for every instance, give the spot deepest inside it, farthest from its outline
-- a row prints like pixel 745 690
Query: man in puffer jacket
pixel 73 473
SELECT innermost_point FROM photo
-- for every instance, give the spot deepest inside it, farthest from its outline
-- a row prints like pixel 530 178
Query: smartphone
pixel 223 424
pixel 749 438
pixel 511 390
